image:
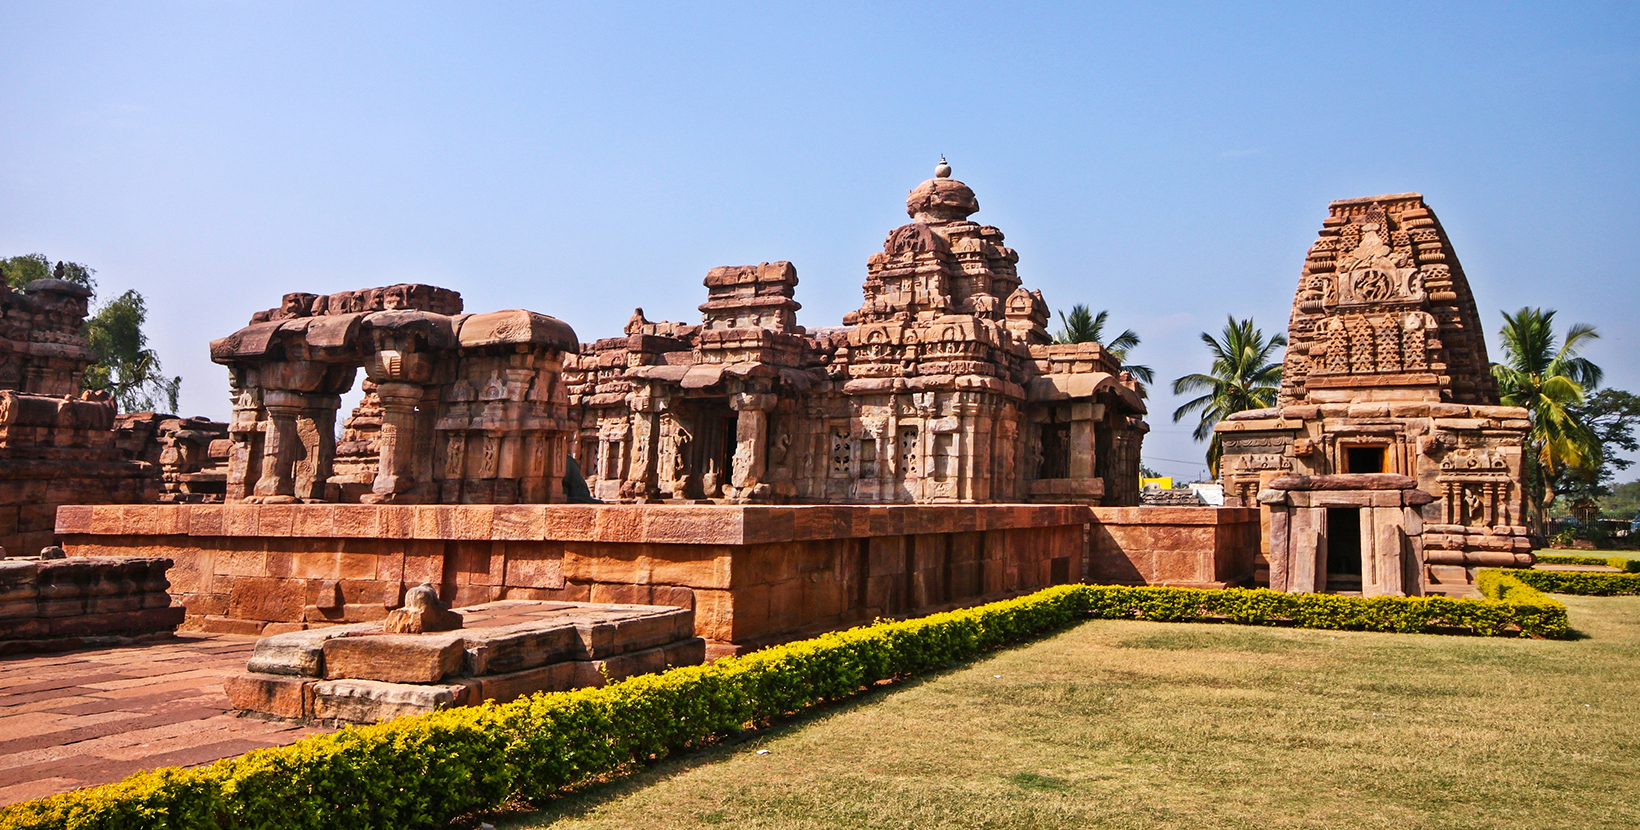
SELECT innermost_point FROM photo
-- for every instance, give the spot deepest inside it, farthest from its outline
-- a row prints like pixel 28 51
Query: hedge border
pixel 1621 563
pixel 420 771
pixel 1582 583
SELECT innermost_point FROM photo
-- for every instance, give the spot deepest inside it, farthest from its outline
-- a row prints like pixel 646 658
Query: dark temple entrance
pixel 1343 549
pixel 1364 459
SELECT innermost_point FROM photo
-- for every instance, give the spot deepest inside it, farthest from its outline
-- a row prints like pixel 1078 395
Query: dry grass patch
pixel 1153 725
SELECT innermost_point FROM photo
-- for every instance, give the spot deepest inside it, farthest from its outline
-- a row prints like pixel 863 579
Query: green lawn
pixel 1153 725
pixel 1626 554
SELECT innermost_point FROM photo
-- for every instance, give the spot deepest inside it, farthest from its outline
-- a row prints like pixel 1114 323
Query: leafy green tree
pixel 1246 374
pixel 1623 502
pixel 1083 326
pixel 124 366
pixel 1545 375
pixel 1612 415
pixel 22 270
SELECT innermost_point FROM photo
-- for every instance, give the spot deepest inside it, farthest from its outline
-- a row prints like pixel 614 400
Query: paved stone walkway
pixel 90 717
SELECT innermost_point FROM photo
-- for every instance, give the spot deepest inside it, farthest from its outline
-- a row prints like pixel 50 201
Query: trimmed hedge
pixel 1512 609
pixel 1621 563
pixel 1580 582
pixel 420 771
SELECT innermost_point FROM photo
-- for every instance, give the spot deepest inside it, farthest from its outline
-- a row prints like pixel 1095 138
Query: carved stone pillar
pixel 646 428
pixel 397 439
pixel 316 427
pixel 281 447
pixel 244 458
pixel 751 434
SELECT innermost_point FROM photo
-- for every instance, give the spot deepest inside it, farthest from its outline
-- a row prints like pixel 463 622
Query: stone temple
pixel 934 450
pixel 1387 465
pixel 943 387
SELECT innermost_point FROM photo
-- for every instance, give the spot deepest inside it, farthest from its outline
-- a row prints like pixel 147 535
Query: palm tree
pixel 1084 327
pixel 1245 375
pixel 1548 378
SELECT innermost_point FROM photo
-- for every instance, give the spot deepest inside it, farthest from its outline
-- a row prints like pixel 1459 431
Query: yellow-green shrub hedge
pixel 1621 563
pixel 1580 582
pixel 417 772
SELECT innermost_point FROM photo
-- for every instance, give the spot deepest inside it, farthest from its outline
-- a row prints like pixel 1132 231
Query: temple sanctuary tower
pixel 1387 465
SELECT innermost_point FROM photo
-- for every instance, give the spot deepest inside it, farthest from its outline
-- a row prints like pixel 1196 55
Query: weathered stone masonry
pixel 1386 373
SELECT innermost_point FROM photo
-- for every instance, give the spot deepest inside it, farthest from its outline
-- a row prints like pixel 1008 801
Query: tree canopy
pixel 1083 326
pixel 1546 375
pixel 22 270
pixel 1245 374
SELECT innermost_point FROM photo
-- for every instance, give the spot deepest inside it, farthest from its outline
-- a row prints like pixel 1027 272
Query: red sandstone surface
pixel 93 717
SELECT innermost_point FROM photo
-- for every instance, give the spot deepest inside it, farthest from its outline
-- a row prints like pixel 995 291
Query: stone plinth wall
pixel 1186 547
pixel 31 489
pixel 752 574
pixel 53 604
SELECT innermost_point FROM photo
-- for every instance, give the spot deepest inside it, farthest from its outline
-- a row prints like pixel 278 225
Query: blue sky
pixel 1168 162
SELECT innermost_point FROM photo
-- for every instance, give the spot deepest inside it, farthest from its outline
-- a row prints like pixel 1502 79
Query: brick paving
pixel 91 717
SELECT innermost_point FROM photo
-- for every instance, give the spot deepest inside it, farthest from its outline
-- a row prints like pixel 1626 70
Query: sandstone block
pixel 395 658
pixel 273 694
pixel 267 599
pixel 555 677
pixel 211 624
pixel 515 648
pixel 296 652
pixel 370 701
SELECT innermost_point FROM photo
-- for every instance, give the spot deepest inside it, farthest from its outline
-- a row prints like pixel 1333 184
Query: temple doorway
pixel 1343 548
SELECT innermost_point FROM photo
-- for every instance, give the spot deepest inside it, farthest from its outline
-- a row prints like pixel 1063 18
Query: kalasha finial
pixel 943 171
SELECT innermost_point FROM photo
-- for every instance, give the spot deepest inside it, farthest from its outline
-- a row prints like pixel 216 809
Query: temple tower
pixel 1386 390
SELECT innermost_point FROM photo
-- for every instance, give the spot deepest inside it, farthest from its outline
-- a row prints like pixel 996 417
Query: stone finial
pixel 943 170
pixel 423 612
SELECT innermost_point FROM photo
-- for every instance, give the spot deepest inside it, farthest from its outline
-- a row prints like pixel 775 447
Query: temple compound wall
pixel 753 574
pixel 57 444
pixel 1386 374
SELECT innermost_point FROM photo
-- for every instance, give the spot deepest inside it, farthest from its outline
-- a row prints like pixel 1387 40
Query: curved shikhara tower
pixel 1387 463
pixel 1384 311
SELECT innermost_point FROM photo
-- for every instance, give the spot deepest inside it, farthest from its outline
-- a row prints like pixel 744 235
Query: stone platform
pixel 60 604
pixel 505 650
pixel 752 574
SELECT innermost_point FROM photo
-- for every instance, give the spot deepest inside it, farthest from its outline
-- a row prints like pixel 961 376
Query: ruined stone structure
pixel 497 651
pixel 462 408
pixel 1386 373
pixel 943 387
pixel 63 604
pixel 777 481
pixel 190 453
pixel 57 445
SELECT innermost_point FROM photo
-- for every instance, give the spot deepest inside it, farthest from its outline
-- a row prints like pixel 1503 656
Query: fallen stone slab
pixel 502 651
